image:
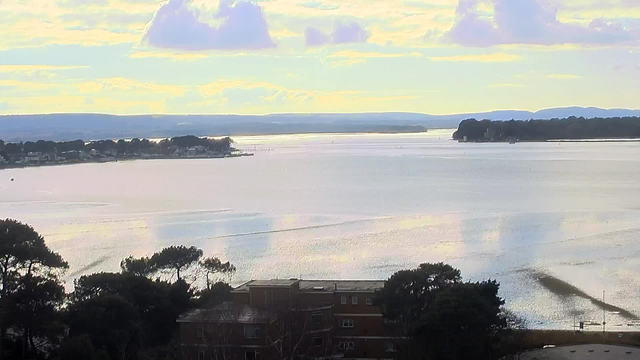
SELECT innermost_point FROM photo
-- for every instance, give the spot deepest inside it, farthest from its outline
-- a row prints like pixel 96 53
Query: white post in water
pixel 604 318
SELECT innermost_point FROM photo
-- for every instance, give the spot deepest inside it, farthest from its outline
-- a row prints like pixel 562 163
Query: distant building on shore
pixel 274 319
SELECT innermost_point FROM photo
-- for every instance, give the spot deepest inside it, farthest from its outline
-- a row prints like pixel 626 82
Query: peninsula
pixel 43 152
pixel 571 128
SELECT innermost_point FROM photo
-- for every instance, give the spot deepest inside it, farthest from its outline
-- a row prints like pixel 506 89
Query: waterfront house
pixel 72 154
pixel 32 157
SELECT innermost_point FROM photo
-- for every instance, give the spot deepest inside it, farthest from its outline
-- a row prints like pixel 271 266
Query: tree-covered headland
pixel 573 128
pixel 43 152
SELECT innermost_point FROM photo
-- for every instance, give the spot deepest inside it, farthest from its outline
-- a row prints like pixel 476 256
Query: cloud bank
pixel 528 22
pixel 341 34
pixel 177 26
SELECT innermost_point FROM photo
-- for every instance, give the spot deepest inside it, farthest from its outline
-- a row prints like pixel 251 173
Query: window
pixel 200 331
pixel 316 318
pixel 318 341
pixel 252 355
pixel 369 301
pixel 390 347
pixel 346 323
pixel 354 300
pixel 251 332
pixel 201 355
pixel 346 345
pixel 343 300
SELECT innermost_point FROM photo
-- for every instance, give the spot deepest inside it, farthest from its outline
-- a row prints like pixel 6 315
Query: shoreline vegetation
pixel 50 153
pixel 571 129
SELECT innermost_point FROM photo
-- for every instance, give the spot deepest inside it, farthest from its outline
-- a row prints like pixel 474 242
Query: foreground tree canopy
pixel 125 315
pixel 569 128
pixel 174 260
pixel 445 318
pixel 32 291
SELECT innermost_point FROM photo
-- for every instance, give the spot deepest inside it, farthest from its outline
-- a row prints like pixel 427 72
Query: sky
pixel 304 56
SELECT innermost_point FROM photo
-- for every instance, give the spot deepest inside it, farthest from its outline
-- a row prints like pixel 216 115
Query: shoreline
pixel 632 140
pixel 26 166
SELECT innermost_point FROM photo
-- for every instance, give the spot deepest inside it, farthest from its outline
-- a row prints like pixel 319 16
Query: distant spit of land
pixel 41 152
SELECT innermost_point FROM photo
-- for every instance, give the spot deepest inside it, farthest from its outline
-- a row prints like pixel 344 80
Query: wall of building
pixel 272 297
pixel 350 308
pixel 241 297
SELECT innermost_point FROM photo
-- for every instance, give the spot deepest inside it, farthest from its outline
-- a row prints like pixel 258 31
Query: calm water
pixel 362 207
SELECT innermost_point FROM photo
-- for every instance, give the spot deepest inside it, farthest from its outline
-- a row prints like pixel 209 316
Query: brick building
pixel 277 319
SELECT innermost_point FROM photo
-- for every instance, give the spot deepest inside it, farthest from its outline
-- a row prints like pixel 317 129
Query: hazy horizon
pixel 364 112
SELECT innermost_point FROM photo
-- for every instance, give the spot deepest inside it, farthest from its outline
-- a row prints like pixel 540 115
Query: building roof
pixel 273 283
pixel 328 286
pixel 341 285
pixel 228 312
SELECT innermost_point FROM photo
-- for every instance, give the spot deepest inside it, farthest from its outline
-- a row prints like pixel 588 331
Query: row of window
pixel 317 342
pixel 346 323
pixel 253 331
pixel 346 345
pixel 350 345
pixel 248 355
pixel 250 331
pixel 354 300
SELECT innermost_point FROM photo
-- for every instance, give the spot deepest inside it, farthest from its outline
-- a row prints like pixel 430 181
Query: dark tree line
pixel 443 318
pixel 128 315
pixel 133 146
pixel 569 128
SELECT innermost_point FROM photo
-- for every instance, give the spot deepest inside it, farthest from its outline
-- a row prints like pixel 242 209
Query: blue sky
pixel 275 56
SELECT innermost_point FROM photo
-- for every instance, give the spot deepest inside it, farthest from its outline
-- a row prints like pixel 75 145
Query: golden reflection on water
pixel 443 134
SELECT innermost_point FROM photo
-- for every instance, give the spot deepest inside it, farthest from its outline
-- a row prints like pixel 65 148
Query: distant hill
pixel 103 126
